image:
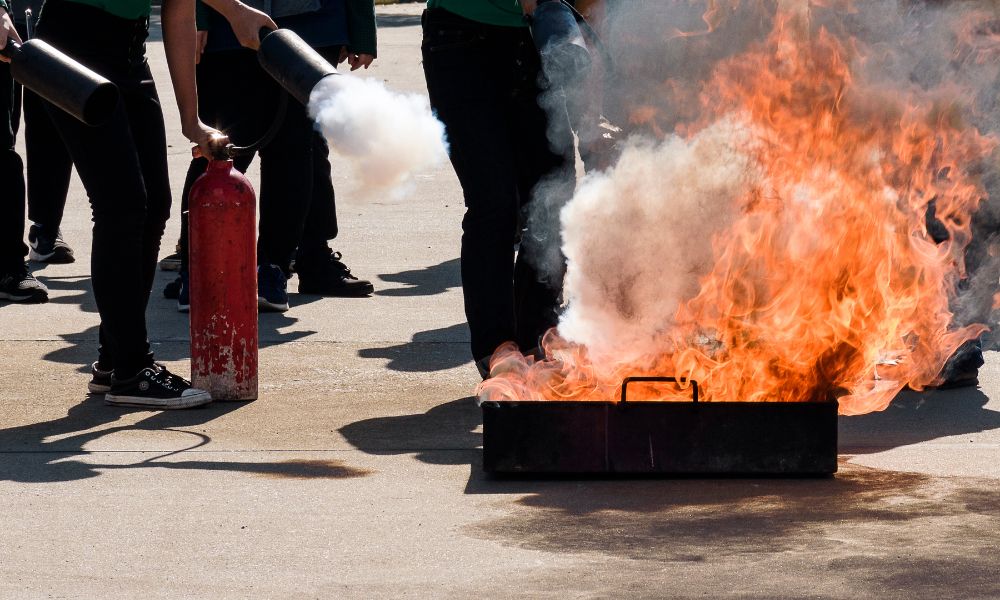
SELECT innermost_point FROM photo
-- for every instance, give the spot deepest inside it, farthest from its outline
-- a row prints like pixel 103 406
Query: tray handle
pixel 628 380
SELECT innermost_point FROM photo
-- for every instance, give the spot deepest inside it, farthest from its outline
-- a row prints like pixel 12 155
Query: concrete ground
pixel 358 472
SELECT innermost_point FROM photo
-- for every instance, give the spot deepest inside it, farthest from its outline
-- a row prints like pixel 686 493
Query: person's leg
pixel 286 184
pixel 49 169
pixel 468 77
pixel 546 180
pixel 12 248
pixel 16 284
pixel 320 269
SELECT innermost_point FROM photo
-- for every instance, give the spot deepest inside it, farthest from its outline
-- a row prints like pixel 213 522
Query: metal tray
pixel 667 438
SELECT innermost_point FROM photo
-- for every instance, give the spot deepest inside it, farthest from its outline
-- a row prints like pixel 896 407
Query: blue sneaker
pixel 272 289
pixel 184 293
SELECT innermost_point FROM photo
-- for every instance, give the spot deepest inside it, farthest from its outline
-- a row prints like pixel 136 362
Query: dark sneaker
pixel 156 388
pixel 100 381
pixel 272 289
pixel 184 293
pixel 171 263
pixel 21 286
pixel 172 289
pixel 48 247
pixel 326 275
pixel 962 369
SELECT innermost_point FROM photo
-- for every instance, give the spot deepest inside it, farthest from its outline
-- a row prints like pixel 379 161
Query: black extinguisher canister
pixel 293 63
pixel 64 82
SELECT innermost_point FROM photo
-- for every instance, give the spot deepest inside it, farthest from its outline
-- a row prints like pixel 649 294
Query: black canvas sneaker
pixel 325 274
pixel 21 286
pixel 48 247
pixel 156 388
pixel 100 381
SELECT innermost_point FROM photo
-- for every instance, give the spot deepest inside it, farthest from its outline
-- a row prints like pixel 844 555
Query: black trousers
pixel 123 166
pixel 484 85
pixel 297 202
pixel 12 248
pixel 48 164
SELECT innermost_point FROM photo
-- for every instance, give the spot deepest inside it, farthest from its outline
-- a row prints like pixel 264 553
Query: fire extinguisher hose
pixel 232 150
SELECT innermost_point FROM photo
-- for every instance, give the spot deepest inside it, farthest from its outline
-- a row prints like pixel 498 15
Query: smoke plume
pixel 385 136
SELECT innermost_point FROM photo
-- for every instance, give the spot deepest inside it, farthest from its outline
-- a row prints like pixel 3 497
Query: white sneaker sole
pixel 191 401
pixel 263 303
pixel 96 388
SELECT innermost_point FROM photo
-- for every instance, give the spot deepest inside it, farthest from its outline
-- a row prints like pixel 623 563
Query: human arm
pixel 179 46
pixel 7 29
pixel 179 41
pixel 363 33
pixel 245 21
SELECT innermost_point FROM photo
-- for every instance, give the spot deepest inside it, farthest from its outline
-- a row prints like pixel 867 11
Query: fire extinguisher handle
pixel 628 380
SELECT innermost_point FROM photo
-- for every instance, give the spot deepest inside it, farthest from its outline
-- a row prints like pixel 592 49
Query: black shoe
pixel 272 289
pixel 156 388
pixel 326 275
pixel 184 293
pixel 962 369
pixel 100 381
pixel 21 286
pixel 171 263
pixel 172 289
pixel 48 247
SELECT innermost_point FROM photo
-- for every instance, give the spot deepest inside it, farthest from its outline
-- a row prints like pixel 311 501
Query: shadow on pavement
pixel 917 417
pixel 168 329
pixel 49 451
pixel 880 528
pixel 428 351
pixel 444 435
pixel 430 281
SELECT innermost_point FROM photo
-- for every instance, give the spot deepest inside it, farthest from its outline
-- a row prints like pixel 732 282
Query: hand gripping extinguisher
pixel 223 282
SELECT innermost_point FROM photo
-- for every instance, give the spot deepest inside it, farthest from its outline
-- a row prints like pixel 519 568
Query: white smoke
pixel 638 237
pixel 385 136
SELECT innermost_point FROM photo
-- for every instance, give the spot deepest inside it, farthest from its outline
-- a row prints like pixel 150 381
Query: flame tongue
pixel 816 276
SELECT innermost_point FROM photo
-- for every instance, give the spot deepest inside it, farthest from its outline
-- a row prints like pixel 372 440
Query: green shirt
pixel 126 9
pixel 492 12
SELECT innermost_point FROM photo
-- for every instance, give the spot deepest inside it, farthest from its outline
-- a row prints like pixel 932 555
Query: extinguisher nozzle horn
pixel 63 81
pixel 293 63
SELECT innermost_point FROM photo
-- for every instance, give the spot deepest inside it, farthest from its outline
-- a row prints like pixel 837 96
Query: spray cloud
pixel 385 136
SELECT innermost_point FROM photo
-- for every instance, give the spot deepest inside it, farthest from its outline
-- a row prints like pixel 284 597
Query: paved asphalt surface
pixel 358 472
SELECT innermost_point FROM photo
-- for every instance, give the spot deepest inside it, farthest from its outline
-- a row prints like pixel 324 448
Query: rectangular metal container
pixel 668 438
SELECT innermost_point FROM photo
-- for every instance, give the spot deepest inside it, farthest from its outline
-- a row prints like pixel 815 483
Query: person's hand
pixel 210 141
pixel 247 23
pixel 7 32
pixel 200 41
pixel 528 6
pixel 359 60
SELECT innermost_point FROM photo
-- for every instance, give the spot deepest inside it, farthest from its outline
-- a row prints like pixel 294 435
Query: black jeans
pixel 297 203
pixel 484 85
pixel 123 166
pixel 12 248
pixel 49 165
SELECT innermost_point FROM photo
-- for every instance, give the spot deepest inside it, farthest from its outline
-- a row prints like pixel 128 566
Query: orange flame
pixel 828 284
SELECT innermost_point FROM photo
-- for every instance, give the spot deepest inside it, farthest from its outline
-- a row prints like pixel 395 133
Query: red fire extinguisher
pixel 223 271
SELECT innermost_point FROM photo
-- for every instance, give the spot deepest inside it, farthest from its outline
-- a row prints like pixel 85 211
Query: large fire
pixel 820 278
